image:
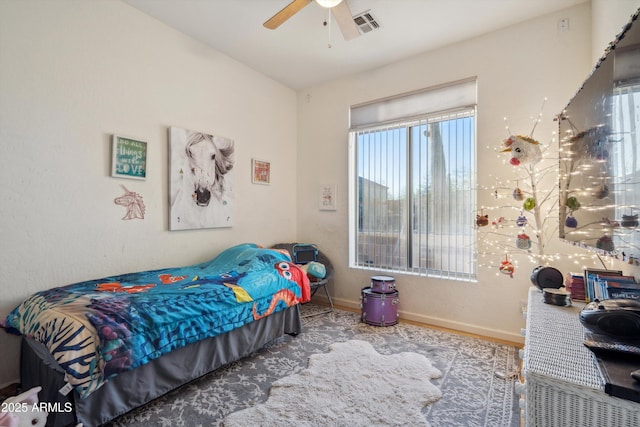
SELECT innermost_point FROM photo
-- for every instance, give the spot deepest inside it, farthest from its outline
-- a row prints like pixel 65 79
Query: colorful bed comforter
pixel 100 328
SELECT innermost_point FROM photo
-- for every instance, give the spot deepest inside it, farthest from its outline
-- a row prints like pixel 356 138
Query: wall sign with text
pixel 129 158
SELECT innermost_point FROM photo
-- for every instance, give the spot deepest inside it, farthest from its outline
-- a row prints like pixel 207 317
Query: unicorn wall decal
pixel 133 202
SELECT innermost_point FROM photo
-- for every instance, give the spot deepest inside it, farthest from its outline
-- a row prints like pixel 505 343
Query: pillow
pixel 314 270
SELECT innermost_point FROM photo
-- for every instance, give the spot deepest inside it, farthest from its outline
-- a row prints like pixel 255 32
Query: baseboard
pixel 460 327
pixel 10 383
pixel 8 390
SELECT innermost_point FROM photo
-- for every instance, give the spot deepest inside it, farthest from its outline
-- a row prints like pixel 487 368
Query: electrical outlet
pixel 563 25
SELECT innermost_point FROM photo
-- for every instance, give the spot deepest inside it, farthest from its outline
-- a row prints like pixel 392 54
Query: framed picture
pixel 201 184
pixel 128 158
pixel 261 172
pixel 328 197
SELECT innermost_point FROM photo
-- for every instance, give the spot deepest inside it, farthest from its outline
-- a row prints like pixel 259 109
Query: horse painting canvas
pixel 201 180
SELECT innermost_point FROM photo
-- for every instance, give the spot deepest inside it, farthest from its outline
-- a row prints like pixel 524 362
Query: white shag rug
pixel 352 385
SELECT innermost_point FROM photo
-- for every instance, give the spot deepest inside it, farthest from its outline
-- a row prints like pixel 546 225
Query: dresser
pixel 563 386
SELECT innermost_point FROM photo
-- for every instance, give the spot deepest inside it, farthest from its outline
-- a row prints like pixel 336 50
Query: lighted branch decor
pixel 525 217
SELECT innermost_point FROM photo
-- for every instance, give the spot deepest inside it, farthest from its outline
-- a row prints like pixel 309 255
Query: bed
pixel 119 342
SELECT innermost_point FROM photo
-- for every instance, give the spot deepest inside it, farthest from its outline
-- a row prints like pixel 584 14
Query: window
pixel 413 198
pixel 624 163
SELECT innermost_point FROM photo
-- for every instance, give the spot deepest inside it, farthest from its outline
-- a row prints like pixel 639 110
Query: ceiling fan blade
pixel 343 16
pixel 287 12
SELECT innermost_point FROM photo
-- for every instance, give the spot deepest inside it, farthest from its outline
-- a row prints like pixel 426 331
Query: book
pixel 574 282
pixel 626 293
pixel 603 283
pixel 590 279
pixel 620 287
pixel 619 281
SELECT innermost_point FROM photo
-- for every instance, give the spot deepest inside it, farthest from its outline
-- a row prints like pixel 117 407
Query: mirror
pixel 599 176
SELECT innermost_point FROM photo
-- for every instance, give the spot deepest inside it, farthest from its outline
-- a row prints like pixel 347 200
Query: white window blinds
pixel 412 195
pixel 446 97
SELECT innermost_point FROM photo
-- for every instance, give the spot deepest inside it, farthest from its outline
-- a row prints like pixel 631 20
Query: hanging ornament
pixel 521 221
pixel 523 241
pixel 497 223
pixel 523 149
pixel 602 192
pixel 573 203
pixel 482 220
pixel 571 221
pixel 529 204
pixel 506 267
pixel 518 194
pixel 605 243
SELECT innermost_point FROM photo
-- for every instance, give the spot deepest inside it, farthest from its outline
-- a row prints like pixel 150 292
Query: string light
pixel 498 241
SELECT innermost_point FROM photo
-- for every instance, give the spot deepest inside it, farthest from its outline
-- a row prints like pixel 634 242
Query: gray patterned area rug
pixel 472 395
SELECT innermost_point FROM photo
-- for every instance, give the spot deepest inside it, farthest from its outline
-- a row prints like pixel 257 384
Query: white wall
pixel 608 19
pixel 71 74
pixel 516 68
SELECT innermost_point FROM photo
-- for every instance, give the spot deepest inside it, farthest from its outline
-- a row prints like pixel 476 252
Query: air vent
pixel 366 22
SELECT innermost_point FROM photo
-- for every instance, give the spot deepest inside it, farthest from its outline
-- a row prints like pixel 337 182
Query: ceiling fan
pixel 339 8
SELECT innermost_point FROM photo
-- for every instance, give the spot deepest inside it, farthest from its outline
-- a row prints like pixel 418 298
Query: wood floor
pixel 439 328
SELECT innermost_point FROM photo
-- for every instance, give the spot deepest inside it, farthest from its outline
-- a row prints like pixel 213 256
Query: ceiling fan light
pixel 328 3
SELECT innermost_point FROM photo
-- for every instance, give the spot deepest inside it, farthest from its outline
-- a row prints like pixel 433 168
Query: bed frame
pixel 168 372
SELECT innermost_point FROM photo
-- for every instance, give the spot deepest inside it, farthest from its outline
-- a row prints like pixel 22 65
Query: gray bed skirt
pixel 134 388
